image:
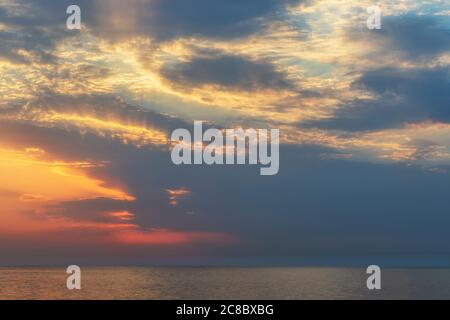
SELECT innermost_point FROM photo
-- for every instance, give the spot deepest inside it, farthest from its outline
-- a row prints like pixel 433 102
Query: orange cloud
pixel 34 178
pixel 122 215
pixel 168 237
pixel 176 194
pixel 32 181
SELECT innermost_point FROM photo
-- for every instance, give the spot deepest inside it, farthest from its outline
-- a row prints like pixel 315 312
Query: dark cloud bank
pixel 231 72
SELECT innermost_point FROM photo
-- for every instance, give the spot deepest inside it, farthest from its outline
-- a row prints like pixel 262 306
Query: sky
pixel 86 117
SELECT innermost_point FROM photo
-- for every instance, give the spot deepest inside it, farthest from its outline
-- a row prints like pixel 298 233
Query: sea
pixel 223 283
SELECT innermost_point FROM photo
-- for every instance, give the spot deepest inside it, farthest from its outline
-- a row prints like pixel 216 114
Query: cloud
pixel 426 149
pixel 400 97
pixel 31 32
pixel 165 20
pixel 102 115
pixel 133 199
pixel 218 19
pixel 228 72
pixel 414 36
pixel 280 216
pixel 94 210
pixel 417 36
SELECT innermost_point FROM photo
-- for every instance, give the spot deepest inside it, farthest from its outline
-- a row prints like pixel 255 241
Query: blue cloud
pixel 401 96
pixel 232 72
pixel 418 36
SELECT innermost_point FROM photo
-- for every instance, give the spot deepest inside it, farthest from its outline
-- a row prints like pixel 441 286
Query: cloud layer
pixel 86 116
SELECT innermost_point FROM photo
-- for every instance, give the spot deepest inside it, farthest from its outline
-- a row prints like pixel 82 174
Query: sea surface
pixel 223 283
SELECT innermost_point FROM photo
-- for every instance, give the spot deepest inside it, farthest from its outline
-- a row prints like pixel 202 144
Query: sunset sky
pixel 86 117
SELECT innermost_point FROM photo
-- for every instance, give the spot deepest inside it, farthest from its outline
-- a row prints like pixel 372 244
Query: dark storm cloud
pixel 313 206
pixel 401 96
pixel 217 19
pixel 232 72
pixel 418 36
pixel 413 36
pixel 159 19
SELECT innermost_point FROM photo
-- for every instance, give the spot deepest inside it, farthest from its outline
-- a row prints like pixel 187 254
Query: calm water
pixel 223 283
